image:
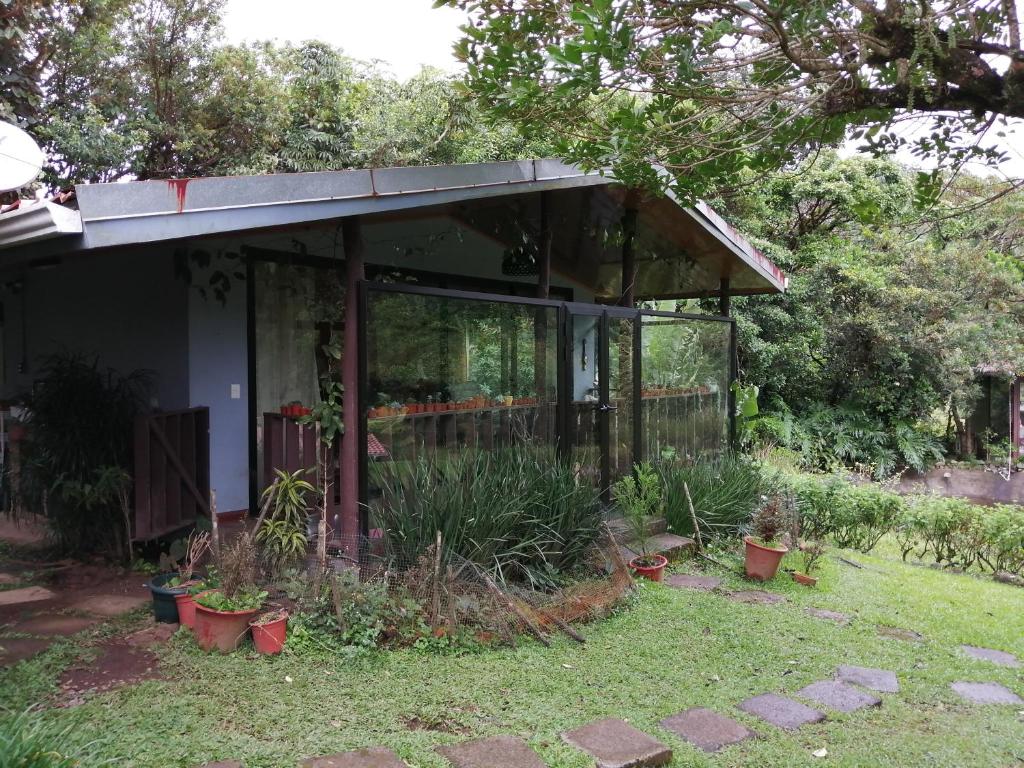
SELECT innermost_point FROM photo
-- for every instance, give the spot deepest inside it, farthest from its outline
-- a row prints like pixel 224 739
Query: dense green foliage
pixel 518 512
pixel 75 462
pixel 132 88
pixel 870 357
pixel 724 491
pixel 27 741
pixel 706 91
pixel 949 531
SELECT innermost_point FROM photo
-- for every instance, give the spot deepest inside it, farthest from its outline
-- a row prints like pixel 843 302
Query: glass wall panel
pixel 445 374
pixel 620 396
pixel 685 374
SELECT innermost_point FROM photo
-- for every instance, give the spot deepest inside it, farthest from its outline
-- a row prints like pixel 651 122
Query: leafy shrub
pixel 283 531
pixel 725 493
pixel 27 742
pixel 519 512
pixel 958 533
pixel 639 497
pixel 855 516
pixel 81 420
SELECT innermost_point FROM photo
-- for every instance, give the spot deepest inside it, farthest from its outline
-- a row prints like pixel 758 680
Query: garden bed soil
pixel 118 664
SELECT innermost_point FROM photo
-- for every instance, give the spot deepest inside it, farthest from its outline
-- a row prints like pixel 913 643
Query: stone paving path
pixel 495 752
pixel 837 695
pixel 707 729
pixel 616 744
pixel 781 711
pixel 1002 658
pixel 881 680
pixel 374 757
pixel 985 693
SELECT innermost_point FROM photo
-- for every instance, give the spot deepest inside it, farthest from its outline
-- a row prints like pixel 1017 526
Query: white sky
pixel 407 34
pixel 404 33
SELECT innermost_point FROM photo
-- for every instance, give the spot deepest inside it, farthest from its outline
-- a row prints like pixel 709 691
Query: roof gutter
pixel 40 221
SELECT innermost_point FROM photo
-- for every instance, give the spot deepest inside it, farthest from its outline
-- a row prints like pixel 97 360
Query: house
pixel 472 305
pixel 997 421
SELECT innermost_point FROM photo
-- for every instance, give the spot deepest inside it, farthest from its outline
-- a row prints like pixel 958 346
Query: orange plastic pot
pixel 654 572
pixel 223 630
pixel 269 638
pixel 186 609
pixel 762 563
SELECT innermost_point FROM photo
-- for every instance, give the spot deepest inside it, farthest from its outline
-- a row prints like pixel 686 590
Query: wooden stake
pixel 435 600
pixel 215 535
pixel 693 517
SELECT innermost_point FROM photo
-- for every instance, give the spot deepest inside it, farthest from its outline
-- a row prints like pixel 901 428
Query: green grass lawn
pixel 669 650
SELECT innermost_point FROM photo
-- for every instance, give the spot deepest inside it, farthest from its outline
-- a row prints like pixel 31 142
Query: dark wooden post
pixel 628 293
pixel 540 321
pixel 352 239
pixel 723 297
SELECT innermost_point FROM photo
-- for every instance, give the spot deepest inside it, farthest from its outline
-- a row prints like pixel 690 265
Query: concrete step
pixel 622 531
pixel 668 545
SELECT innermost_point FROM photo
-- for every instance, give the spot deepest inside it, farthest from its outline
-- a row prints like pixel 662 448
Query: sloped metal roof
pixel 119 214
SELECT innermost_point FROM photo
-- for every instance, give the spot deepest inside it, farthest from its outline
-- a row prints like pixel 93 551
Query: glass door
pixel 602 416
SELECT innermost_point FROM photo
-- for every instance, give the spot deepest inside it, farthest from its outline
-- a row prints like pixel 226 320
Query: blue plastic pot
pixel 165 608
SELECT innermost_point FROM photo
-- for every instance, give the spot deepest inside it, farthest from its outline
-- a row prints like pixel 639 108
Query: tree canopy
pixel 706 89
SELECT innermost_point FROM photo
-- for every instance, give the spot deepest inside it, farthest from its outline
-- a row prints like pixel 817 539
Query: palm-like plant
pixel 283 530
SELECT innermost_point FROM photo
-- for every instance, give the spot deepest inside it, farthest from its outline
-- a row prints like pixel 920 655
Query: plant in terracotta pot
pixel 187 579
pixel 639 498
pixel 269 631
pixel 812 552
pixel 223 615
pixel 764 551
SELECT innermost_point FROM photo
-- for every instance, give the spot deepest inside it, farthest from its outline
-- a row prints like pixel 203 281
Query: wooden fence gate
pixel 171 471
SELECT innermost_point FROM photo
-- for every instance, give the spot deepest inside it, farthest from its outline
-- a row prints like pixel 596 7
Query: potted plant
pixel 639 498
pixel 223 615
pixel 812 552
pixel 197 546
pixel 763 554
pixel 167 584
pixel 269 631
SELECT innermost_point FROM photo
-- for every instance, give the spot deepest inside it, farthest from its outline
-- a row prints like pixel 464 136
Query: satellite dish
pixel 20 158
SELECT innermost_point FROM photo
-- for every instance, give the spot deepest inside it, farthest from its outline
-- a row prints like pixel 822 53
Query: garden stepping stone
pixel 687 581
pixel 374 757
pixel 881 680
pixel 901 634
pixel 617 744
pixel 781 711
pixel 756 596
pixel 837 695
pixel 707 729
pixel 59 625
pixel 836 616
pixel 495 752
pixel 15 649
pixel 111 606
pixel 986 693
pixel 25 595
pixel 1002 658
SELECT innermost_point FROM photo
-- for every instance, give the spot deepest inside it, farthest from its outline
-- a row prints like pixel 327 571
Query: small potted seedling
pixel 812 552
pixel 639 498
pixel 764 552
pixel 198 544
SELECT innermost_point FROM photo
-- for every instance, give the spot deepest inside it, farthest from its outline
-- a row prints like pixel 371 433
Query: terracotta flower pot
pixel 803 578
pixel 186 609
pixel 222 630
pixel 269 637
pixel 654 572
pixel 762 563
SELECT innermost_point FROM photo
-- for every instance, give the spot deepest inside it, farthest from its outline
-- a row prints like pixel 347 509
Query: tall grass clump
pixel 725 492
pixel 27 742
pixel 518 512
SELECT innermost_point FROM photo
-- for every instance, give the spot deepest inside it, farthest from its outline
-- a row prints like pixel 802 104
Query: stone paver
pixel 780 711
pixel 617 744
pixel 986 693
pixel 686 581
pixel 837 695
pixel 495 752
pixel 109 606
pixel 60 625
pixel 836 616
pixel 223 764
pixel 15 649
pixel 374 757
pixel 1002 658
pixel 707 729
pixel 756 596
pixel 25 595
pixel 867 677
pixel 901 634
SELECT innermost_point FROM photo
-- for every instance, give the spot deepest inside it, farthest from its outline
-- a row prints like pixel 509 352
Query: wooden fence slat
pixel 143 513
pixel 175 476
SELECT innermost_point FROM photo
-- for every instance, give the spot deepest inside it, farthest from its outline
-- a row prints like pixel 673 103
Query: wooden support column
pixel 723 297
pixel 540 321
pixel 628 293
pixel 352 239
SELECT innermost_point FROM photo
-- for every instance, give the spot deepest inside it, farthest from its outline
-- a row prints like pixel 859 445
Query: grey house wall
pixel 124 308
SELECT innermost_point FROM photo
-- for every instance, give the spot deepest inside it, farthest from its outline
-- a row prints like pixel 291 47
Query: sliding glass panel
pixel 685 400
pixel 585 410
pixel 449 374
pixel 620 397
